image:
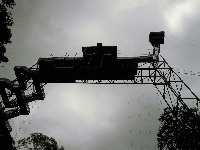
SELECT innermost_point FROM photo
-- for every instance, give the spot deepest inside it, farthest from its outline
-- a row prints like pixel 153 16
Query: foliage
pixel 6 21
pixel 40 142
pixel 9 3
pixel 180 129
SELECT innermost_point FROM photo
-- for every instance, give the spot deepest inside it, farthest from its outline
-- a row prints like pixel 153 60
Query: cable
pixel 188 72
pixel 184 38
pixel 187 41
pixel 34 114
pixel 20 128
pixel 12 82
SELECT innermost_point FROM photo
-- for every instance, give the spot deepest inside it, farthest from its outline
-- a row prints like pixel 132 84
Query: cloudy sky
pixel 100 117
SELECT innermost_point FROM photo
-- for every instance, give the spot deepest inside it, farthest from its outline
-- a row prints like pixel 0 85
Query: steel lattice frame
pixel 171 87
pixel 168 83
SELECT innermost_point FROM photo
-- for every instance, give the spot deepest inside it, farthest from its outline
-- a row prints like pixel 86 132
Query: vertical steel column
pixel 36 82
pixel 24 108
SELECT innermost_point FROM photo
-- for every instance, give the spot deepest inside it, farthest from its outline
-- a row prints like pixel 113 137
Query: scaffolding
pixel 99 65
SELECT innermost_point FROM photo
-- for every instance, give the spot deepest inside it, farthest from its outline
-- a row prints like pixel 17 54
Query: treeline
pixel 6 21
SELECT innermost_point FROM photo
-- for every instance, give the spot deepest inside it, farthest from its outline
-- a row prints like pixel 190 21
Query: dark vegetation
pixel 180 129
pixel 5 23
pixel 39 142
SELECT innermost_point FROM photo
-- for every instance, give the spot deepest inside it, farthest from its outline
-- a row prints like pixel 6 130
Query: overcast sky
pixel 100 117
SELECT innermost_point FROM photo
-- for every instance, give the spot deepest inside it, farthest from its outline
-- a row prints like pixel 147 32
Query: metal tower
pixel 99 65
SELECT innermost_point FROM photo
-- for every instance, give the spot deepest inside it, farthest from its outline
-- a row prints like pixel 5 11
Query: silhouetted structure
pixel 98 63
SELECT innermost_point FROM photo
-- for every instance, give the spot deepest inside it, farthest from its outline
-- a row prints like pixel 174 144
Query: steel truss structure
pixel 146 70
pixel 170 86
pixel 15 99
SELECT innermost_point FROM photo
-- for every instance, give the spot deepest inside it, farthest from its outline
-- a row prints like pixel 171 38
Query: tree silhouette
pixel 5 31
pixel 9 3
pixel 39 142
pixel 180 129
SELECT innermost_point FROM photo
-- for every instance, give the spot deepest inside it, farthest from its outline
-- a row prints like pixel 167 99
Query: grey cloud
pixel 97 116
